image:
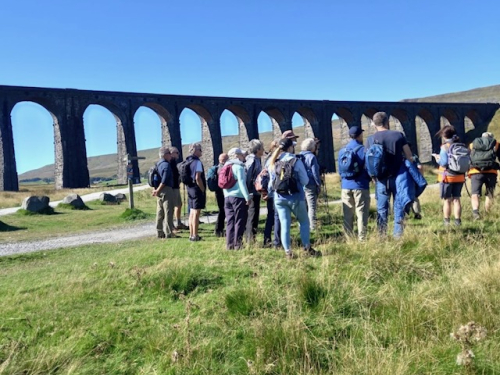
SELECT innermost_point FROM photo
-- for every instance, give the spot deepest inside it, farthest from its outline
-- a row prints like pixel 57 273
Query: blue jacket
pixel 362 181
pixel 312 169
pixel 239 190
pixel 409 185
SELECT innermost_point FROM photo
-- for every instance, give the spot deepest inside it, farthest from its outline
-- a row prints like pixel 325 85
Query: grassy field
pixel 177 307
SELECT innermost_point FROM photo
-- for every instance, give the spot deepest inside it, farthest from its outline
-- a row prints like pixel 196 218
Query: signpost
pixel 130 177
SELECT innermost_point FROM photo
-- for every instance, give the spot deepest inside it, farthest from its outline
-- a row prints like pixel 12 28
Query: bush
pixel 134 214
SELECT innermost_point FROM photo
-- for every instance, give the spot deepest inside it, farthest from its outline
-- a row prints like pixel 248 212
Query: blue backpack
pixel 213 178
pixel 349 167
pixel 375 161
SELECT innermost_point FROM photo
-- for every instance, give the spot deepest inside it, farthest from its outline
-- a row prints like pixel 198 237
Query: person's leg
pixel 196 221
pixel 240 222
pixel 255 221
pixel 362 201
pixel 229 209
pixel 269 221
pixel 417 209
pixel 299 209
pixel 491 183
pixel 476 182
pixel 277 227
pixel 398 209
pixel 348 210
pixel 457 205
pixel 249 225
pixel 383 196
pixel 284 213
pixel 169 208
pixel 311 200
pixel 160 216
pixel 219 225
pixel 447 208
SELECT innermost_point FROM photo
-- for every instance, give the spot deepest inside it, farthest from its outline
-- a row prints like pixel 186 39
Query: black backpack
pixel 285 182
pixel 154 178
pixel 185 172
pixel 483 156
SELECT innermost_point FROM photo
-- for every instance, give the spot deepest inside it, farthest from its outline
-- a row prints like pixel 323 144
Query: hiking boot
pixel 476 216
pixel 267 243
pixel 290 255
pixel 171 236
pixel 458 222
pixel 219 234
pixel 312 253
pixel 181 226
pixel 446 223
pixel 418 217
pixel 195 238
pixel 160 235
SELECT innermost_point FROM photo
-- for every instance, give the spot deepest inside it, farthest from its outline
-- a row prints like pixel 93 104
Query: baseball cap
pixel 355 131
pixel 289 134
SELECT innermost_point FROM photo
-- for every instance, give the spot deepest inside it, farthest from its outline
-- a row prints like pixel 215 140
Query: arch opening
pixel 101 125
pixel 230 127
pixel 38 158
pixel 148 126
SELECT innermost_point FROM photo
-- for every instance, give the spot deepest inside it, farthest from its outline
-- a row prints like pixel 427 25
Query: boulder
pixel 108 198
pixel 36 203
pixel 74 200
pixel 120 197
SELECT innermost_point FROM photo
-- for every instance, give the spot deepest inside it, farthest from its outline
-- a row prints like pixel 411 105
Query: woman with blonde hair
pixel 288 178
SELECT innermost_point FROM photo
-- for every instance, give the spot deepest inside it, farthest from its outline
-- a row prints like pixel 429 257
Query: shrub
pixel 134 214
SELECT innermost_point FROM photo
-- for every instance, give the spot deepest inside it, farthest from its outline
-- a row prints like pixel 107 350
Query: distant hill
pixel 105 166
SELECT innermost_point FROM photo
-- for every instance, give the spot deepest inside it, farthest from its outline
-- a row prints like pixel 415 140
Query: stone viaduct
pixel 67 107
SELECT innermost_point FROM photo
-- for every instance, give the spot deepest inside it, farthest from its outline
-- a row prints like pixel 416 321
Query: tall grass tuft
pixel 311 291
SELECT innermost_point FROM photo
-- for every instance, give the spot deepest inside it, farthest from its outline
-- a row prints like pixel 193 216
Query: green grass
pixel 178 307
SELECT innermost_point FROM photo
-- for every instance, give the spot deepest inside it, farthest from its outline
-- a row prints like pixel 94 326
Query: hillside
pixel 105 166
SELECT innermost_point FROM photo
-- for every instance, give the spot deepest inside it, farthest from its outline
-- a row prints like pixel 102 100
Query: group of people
pixel 291 183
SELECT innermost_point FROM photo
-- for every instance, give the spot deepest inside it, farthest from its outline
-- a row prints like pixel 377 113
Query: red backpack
pixel 226 177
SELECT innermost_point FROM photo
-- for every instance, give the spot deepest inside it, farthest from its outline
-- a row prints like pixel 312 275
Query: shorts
pixel 176 199
pixel 451 190
pixel 196 198
pixel 489 180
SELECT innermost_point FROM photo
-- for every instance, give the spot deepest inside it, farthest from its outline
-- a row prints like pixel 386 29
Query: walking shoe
pixel 195 238
pixel 458 222
pixel 290 255
pixel 418 217
pixel 446 222
pixel 475 216
pixel 160 235
pixel 312 253
pixel 171 236
pixel 267 243
pixel 219 234
pixel 181 226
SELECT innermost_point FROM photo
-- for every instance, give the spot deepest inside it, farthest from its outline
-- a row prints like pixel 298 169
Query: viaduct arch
pixel 67 106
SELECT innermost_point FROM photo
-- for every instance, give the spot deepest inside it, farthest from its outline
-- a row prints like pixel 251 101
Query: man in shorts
pixel 484 153
pixel 177 200
pixel 197 197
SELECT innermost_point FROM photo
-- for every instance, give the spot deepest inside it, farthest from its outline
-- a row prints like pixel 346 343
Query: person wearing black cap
pixel 355 187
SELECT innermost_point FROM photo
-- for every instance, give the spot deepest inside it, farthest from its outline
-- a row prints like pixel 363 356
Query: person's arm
pixel 199 181
pixel 315 171
pixel 407 153
pixel 300 169
pixel 162 170
pixel 443 157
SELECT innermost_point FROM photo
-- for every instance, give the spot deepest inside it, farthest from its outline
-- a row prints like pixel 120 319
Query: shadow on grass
pixel 9 228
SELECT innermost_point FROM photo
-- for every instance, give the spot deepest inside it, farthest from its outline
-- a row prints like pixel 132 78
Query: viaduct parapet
pixel 67 107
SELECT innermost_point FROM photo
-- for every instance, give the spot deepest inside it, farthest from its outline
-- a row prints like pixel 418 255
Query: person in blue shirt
pixel 165 194
pixel 355 192
pixel 313 187
pixel 286 203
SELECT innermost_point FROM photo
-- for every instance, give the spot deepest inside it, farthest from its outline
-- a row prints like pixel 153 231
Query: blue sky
pixel 337 50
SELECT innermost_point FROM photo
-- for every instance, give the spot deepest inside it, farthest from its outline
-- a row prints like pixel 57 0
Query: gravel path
pixel 132 232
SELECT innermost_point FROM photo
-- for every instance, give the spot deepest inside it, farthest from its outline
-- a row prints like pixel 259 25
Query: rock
pixel 106 197
pixel 74 200
pixel 36 203
pixel 120 197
